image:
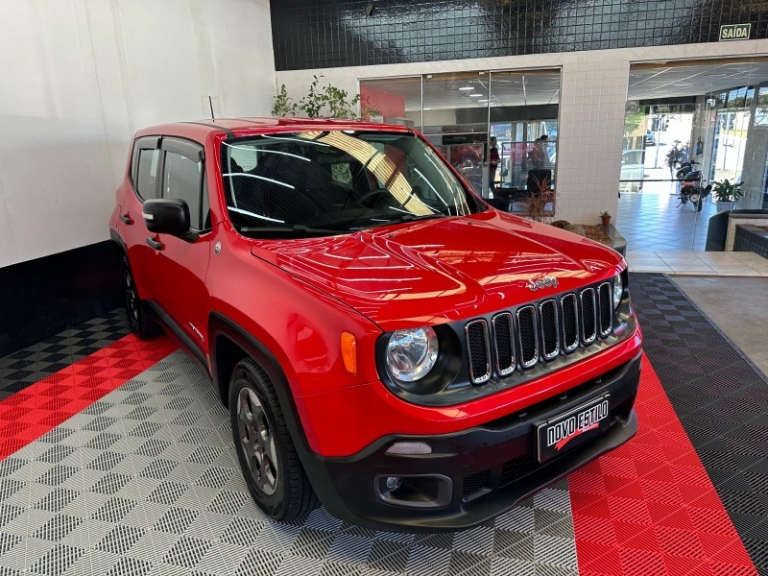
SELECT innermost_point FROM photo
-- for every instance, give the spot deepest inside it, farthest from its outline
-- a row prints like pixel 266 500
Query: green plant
pixel 312 103
pixel 328 101
pixel 605 214
pixel 336 99
pixel 727 191
pixel 283 105
pixel 540 202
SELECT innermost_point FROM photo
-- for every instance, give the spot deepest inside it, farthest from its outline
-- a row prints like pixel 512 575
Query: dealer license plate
pixel 566 431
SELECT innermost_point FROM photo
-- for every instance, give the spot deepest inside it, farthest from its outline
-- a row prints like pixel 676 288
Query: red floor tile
pixel 649 508
pixel 36 410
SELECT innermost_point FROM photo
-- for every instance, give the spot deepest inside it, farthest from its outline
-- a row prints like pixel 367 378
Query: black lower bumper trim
pixel 491 467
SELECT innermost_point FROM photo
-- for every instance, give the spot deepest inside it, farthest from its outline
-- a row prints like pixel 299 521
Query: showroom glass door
pixel 730 134
pixel 687 126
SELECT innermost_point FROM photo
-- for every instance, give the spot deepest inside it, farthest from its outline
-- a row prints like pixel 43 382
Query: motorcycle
pixel 690 186
pixel 685 168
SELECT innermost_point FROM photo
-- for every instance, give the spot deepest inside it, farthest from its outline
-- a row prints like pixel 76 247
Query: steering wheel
pixel 373 194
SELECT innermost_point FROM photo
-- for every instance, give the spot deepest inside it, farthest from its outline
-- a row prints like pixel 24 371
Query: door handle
pixel 157 245
pixel 126 219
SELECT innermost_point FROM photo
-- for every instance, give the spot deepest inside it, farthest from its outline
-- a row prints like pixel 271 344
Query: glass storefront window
pixel 460 113
pixel 455 115
pixel 392 101
pixel 523 116
pixel 687 125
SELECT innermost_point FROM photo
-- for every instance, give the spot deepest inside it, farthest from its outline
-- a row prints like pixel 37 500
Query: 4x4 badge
pixel 546 282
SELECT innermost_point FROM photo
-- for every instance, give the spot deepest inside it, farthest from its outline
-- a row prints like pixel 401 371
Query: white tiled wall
pixel 594 93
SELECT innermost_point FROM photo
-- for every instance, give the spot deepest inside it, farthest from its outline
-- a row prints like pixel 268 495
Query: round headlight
pixel 412 353
pixel 618 290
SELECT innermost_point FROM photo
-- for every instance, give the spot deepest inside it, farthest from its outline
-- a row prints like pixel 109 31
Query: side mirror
pixel 166 216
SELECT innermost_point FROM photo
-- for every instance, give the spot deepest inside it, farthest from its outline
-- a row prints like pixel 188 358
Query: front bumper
pixel 486 469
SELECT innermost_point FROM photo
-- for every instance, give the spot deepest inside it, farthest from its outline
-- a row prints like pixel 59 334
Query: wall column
pixel 591 129
pixel 753 170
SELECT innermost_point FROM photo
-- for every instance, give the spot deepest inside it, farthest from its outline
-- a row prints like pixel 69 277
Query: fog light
pixel 414 491
pixel 394 483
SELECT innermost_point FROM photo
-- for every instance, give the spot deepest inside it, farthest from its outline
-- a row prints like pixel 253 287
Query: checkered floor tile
pixel 649 508
pixel 32 364
pixel 145 482
pixel 720 398
pixel 114 463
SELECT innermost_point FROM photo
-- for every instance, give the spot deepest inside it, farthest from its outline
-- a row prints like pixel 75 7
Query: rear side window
pixel 183 180
pixel 146 178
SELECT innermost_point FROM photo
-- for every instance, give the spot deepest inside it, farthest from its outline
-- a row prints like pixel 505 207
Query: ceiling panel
pixel 649 82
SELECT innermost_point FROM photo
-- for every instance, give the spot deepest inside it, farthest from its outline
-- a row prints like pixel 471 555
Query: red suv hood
pixel 445 269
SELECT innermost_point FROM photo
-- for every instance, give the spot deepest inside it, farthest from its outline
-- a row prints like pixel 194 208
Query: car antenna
pixel 210 103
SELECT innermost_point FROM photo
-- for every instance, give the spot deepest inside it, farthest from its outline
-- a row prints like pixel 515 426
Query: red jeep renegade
pixel 387 344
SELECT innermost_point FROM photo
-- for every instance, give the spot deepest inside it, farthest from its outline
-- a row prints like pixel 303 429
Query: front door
pixel 182 263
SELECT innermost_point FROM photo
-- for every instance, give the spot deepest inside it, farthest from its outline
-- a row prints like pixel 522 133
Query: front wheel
pixel 267 456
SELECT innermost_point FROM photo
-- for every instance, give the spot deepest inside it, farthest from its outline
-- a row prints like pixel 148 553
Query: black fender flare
pixel 221 325
pixel 118 243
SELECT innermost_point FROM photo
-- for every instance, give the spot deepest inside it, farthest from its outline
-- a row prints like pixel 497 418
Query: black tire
pixel 280 488
pixel 139 317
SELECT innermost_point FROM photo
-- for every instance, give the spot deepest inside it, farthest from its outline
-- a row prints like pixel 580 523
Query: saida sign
pixel 735 32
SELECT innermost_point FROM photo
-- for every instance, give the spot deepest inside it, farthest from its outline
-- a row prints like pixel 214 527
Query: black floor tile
pixel 720 398
pixel 29 365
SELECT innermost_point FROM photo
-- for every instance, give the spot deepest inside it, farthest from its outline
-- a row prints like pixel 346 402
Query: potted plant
pixel 726 193
pixel 605 216
pixel 540 201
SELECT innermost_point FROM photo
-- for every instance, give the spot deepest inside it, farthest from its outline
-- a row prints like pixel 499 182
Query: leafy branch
pixel 328 101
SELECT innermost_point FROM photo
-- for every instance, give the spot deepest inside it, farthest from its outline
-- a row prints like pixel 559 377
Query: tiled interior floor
pixel 145 482
pixel 33 363
pixel 664 237
pixel 655 222
pixel 690 263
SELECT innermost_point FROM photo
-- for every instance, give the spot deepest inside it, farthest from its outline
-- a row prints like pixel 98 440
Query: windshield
pixel 334 182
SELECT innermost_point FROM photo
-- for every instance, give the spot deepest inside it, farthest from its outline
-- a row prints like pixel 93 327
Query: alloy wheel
pixel 256 437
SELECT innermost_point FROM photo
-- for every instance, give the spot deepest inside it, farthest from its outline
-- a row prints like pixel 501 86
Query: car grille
pixel 477 340
pixel 538 333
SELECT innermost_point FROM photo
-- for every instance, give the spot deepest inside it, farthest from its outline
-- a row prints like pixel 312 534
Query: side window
pixel 183 179
pixel 146 174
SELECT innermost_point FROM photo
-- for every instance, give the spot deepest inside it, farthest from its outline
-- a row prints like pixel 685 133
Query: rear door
pixel 145 185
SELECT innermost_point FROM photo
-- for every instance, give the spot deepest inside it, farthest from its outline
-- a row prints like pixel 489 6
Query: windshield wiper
pixel 415 217
pixel 295 228
pixel 397 220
